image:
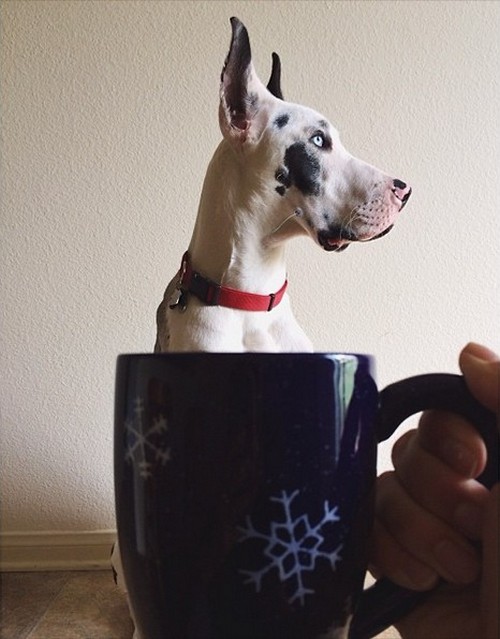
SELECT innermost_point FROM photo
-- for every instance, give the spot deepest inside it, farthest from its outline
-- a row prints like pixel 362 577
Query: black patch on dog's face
pixel 281 120
pixel 303 169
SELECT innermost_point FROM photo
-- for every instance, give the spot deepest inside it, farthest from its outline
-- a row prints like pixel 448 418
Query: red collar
pixel 214 294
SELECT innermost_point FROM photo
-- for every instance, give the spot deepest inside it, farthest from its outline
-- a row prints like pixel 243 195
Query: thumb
pixel 481 369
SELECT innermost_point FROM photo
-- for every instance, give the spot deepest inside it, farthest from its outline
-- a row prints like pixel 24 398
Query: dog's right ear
pixel 243 97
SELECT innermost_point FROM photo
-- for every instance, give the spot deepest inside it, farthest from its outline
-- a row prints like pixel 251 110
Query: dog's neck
pixel 230 242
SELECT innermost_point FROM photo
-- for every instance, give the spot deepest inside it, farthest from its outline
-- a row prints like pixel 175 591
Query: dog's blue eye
pixel 318 139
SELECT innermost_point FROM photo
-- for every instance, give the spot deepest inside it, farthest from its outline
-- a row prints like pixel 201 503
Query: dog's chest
pixel 228 330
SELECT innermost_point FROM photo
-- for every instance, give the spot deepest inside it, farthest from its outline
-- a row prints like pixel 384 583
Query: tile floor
pixel 62 605
pixel 68 605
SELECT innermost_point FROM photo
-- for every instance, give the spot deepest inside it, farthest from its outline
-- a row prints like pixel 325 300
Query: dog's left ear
pixel 274 84
pixel 244 100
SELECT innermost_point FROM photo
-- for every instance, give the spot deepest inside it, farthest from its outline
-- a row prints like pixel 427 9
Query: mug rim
pixel 248 354
pixel 364 361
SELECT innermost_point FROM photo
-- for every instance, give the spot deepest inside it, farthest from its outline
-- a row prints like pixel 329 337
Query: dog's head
pixel 309 176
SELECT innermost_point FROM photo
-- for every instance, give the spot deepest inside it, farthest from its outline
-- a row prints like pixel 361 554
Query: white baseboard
pixel 54 550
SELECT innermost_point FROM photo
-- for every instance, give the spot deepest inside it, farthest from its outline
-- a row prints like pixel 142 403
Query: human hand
pixel 431 511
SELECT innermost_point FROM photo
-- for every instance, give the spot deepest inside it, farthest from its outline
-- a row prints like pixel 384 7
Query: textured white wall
pixel 109 119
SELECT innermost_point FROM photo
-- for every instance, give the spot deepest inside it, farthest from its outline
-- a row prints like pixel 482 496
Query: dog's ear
pixel 274 84
pixel 243 97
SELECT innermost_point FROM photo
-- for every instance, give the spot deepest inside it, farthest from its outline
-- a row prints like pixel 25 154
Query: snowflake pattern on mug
pixel 145 443
pixel 293 547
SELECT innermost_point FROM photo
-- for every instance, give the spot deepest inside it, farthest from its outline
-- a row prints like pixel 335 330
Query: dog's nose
pixel 401 190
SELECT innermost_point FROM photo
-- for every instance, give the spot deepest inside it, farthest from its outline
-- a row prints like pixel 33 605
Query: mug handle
pixel 384 603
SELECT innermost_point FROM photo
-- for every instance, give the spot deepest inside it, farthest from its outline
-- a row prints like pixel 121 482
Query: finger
pixel 454 441
pixel 481 369
pixel 402 443
pixel 439 490
pixel 390 559
pixel 490 585
pixel 423 535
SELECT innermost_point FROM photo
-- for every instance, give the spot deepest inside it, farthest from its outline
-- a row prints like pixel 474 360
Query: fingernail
pixel 479 354
pixel 469 518
pixel 460 566
pixel 459 457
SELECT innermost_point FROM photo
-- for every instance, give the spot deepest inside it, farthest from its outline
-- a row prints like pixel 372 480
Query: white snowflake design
pixel 292 547
pixel 144 442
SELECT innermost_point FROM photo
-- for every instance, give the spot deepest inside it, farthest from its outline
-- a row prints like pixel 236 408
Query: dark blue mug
pixel 244 490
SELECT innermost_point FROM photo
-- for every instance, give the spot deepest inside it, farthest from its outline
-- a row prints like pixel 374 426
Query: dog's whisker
pixel 353 216
pixel 349 224
pixel 294 214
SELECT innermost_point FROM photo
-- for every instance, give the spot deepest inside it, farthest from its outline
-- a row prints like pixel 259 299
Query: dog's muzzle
pixel 337 238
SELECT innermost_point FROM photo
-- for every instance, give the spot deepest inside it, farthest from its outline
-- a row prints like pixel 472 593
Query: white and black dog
pixel 279 172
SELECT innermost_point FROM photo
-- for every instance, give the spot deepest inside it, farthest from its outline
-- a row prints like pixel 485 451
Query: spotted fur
pixel 282 120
